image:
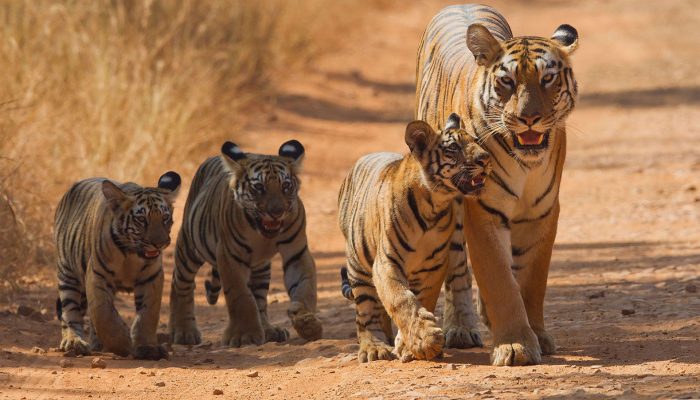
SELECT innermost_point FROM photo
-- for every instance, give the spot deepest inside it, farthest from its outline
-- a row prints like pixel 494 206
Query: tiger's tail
pixel 345 287
pixel 213 286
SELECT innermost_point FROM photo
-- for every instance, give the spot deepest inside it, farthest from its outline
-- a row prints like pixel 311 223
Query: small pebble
pixel 25 311
pixel 160 384
pixel 252 374
pixel 627 311
pixel 217 392
pixel 98 362
pixel 66 363
pixel 690 288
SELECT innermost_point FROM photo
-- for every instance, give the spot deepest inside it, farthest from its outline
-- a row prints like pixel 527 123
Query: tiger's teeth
pixel 540 139
pixel 520 140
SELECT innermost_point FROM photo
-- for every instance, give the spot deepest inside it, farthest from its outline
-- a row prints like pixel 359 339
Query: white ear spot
pixel 236 150
pixel 288 148
pixel 166 179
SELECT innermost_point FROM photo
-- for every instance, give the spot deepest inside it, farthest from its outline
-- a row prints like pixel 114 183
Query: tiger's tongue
pixel 530 138
pixel 151 253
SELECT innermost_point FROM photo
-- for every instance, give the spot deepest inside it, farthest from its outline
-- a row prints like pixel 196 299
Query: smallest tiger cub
pixel 396 213
pixel 109 238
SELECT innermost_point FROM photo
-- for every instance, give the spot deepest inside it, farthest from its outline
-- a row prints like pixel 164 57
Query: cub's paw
pixel 546 342
pixel 187 334
pixel 424 339
pixel 150 352
pixel 305 322
pixel 401 351
pixel 75 345
pixel 512 354
pixel 460 337
pixel 373 350
pixel 237 338
pixel 276 334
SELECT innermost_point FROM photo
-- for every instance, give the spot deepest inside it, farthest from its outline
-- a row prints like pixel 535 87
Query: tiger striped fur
pixel 516 93
pixel 241 210
pixel 397 215
pixel 109 237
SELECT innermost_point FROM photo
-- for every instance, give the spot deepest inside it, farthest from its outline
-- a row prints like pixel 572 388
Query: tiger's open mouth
pixel 150 253
pixel 531 139
pixel 467 184
pixel 269 227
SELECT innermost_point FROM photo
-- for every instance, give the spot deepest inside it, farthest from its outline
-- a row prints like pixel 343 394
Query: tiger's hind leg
pixel 182 324
pixel 71 309
pixel 212 286
pixel 374 331
pixel 259 285
pixel 460 321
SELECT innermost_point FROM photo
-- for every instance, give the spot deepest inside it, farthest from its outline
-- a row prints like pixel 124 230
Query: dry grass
pixel 129 89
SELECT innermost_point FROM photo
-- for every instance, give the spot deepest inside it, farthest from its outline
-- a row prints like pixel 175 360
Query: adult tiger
pixel 109 237
pixel 516 92
pixel 241 210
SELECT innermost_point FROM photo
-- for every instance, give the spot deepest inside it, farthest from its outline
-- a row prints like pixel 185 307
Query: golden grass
pixel 130 89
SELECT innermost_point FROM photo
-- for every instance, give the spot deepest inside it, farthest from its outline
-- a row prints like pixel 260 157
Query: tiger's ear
pixel 419 136
pixel 567 38
pixel 233 157
pixel 482 44
pixel 293 149
pixel 170 181
pixel 453 122
pixel 116 198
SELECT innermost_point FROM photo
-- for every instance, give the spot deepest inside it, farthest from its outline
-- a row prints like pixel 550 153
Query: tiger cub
pixel 241 210
pixel 396 213
pixel 109 237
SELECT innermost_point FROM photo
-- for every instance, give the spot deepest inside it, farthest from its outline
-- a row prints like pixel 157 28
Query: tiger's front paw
pixel 241 336
pixel 305 322
pixel 150 352
pixel 75 345
pixel 373 350
pixel 460 337
pixel 424 339
pixel 185 334
pixel 523 349
pixel 276 334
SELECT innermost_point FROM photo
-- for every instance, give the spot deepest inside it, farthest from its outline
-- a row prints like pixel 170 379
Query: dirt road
pixel 628 242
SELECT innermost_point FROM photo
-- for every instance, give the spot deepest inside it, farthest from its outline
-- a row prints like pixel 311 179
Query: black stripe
pixel 293 259
pixel 149 279
pixel 365 297
pixel 414 208
pixel 493 211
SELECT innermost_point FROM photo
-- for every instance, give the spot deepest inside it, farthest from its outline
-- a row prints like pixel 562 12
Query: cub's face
pixel 142 217
pixel 265 186
pixel 528 86
pixel 450 158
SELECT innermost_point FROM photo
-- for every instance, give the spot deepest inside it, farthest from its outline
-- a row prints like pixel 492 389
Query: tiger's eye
pixel 548 78
pixel 507 81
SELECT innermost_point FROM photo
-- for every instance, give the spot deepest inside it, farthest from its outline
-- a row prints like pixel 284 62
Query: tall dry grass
pixel 128 89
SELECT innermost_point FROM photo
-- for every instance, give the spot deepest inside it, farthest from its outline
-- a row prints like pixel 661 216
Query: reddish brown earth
pixel 629 234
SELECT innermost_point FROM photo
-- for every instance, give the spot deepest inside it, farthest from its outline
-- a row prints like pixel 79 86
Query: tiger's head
pixel 451 159
pixel 528 86
pixel 143 216
pixel 266 187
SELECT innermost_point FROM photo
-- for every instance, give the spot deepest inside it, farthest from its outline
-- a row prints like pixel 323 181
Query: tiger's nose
pixel 276 212
pixel 483 159
pixel 529 120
